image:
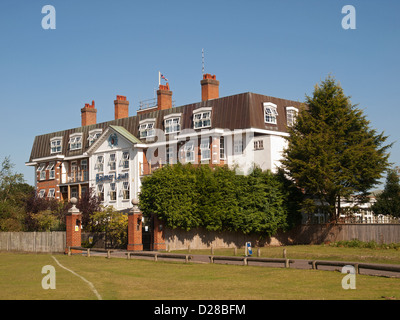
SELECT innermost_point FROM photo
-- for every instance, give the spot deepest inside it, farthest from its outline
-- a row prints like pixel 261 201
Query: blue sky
pixel 101 49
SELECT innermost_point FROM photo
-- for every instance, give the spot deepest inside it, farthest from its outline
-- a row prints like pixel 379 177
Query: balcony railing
pixel 75 176
pixel 148 168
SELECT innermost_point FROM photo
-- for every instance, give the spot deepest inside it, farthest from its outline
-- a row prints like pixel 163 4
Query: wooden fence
pixel 33 241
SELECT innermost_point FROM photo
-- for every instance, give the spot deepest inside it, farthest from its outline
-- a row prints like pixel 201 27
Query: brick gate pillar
pixel 135 228
pixel 158 234
pixel 73 222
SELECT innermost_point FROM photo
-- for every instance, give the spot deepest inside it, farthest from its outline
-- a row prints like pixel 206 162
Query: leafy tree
pixel 13 195
pixel 217 201
pixel 388 202
pixel 114 224
pixel 184 196
pixel 332 152
pixel 38 210
pixel 170 193
pixel 88 204
pixel 9 181
pixel 261 203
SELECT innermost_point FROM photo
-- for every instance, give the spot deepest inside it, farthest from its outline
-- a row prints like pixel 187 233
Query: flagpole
pixel 159 78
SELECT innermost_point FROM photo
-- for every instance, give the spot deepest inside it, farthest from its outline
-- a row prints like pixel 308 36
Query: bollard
pixel 235 251
pixel 245 261
pixel 88 252
pixel 108 254
pixel 284 253
pixel 212 250
pixel 155 258
pixel 258 252
pixel 69 251
pixel 189 248
pixel 287 264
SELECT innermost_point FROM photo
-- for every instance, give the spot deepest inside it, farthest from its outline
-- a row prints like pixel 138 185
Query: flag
pixel 162 77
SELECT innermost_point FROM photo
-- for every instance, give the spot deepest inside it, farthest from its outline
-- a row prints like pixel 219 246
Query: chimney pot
pixel 209 87
pixel 121 107
pixel 88 114
pixel 164 97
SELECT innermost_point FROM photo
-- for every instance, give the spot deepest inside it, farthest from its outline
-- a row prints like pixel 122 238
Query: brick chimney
pixel 88 114
pixel 209 87
pixel 121 107
pixel 164 97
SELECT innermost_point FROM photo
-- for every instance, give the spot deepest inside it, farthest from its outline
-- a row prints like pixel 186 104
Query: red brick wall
pixel 158 234
pixel 48 183
pixel 73 236
pixel 135 232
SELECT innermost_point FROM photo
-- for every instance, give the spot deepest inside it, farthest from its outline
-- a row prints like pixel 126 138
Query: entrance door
pixel 147 234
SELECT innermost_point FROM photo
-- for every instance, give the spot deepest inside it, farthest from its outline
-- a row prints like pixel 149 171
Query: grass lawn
pixel 121 279
pixel 316 252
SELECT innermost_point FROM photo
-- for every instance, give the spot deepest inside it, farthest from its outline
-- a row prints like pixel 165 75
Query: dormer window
pixel 172 123
pixel 146 128
pixel 291 115
pixel 94 135
pixel 270 112
pixel 55 145
pixel 202 118
pixel 75 141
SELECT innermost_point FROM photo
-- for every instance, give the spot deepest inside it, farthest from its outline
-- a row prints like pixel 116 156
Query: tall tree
pixel 332 152
pixel 388 202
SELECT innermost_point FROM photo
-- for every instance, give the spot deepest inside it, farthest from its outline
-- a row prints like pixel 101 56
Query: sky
pixel 100 49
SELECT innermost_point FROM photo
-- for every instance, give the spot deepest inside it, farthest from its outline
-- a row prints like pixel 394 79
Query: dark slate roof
pixel 240 111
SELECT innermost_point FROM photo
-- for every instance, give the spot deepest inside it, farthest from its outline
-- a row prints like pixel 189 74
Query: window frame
pixel 125 160
pixel 222 154
pixel 100 164
pixel 272 114
pixel 100 192
pixel 50 168
pixel 42 171
pixel 56 143
pixel 125 190
pixel 52 193
pixel 112 162
pixel 205 151
pixel 172 127
pixel 147 128
pixel 94 135
pixel 189 149
pixel 113 191
pixel 202 116
pixel 293 112
pixel 75 141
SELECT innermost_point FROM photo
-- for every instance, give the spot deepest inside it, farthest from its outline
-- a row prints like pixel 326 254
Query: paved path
pixel 296 263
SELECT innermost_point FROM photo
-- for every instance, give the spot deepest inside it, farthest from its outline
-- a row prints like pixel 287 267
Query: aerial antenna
pixel 202 61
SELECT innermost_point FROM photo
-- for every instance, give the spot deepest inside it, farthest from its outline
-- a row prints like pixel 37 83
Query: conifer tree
pixel 332 152
pixel 388 202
